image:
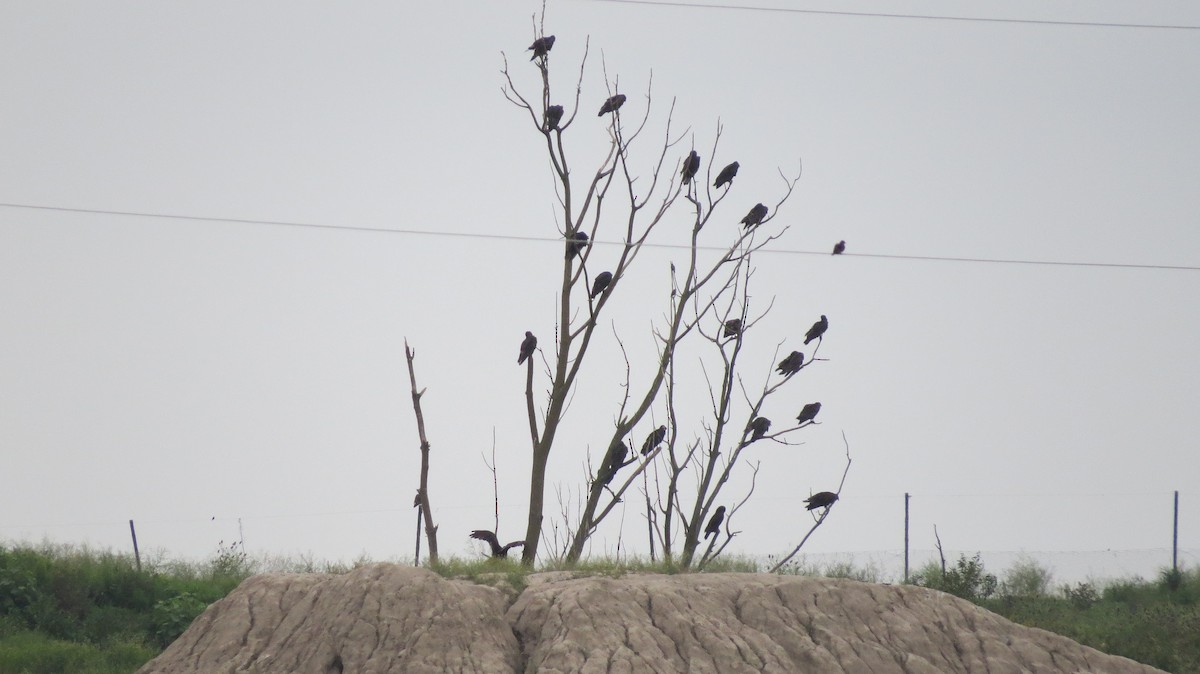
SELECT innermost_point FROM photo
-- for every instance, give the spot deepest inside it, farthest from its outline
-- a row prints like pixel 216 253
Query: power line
pixel 514 237
pixel 885 15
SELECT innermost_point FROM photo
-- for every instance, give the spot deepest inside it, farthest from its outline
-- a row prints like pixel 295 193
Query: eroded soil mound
pixel 385 618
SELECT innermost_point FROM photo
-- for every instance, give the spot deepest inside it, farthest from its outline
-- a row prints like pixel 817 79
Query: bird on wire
pixel 817 330
pixel 552 117
pixel 759 426
pixel 714 523
pixel 498 551
pixel 653 440
pixel 541 46
pixel 808 412
pixel 839 247
pixel 690 166
pixel 726 175
pixel 601 282
pixel 755 216
pixel 527 347
pixel 733 328
pixel 575 244
pixel 821 499
pixel 791 364
pixel 613 104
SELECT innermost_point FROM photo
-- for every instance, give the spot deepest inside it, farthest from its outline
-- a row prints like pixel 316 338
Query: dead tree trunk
pixel 423 490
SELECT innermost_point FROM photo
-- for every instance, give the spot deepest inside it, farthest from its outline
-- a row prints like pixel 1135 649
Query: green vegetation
pixel 73 609
pixel 1153 622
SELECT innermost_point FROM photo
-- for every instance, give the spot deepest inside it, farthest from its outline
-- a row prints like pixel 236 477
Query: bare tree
pixel 422 500
pixel 702 287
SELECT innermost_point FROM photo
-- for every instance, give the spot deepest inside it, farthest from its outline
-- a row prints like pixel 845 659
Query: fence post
pixel 1175 537
pixel 906 497
pixel 137 556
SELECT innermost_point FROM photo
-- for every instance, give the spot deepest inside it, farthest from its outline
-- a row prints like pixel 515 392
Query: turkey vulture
pixel 612 104
pixel 527 347
pixel 714 523
pixel 808 412
pixel 488 537
pixel 791 364
pixel 541 46
pixel 733 327
pixel 601 282
pixel 726 175
pixel 690 166
pixel 817 329
pixel 839 247
pixel 755 216
pixel 654 440
pixel 576 243
pixel 821 499
pixel 760 426
pixel 613 461
pixel 553 116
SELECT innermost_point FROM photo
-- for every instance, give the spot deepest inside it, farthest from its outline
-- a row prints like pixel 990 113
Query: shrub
pixel 1026 578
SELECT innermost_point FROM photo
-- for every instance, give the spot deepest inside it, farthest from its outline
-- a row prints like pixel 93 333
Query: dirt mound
pixel 385 618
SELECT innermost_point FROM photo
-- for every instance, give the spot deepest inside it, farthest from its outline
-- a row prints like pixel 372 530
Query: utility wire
pixel 514 237
pixel 884 15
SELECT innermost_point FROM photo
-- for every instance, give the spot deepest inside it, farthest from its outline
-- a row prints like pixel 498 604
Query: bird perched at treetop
pixel 726 175
pixel 821 499
pixel 690 166
pixel 808 412
pixel 488 537
pixel 791 364
pixel 613 104
pixel 714 523
pixel 755 216
pixel 733 327
pixel 817 330
pixel 839 247
pixel 541 46
pixel 653 440
pixel 601 282
pixel 527 347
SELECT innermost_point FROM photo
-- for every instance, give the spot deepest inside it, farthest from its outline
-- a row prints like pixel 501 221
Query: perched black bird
pixel 576 243
pixel 760 426
pixel 726 175
pixel 808 412
pixel 527 347
pixel 791 364
pixel 541 46
pixel 733 327
pixel 821 499
pixel 553 116
pixel 654 440
pixel 817 329
pixel 690 166
pixel 614 460
pixel 612 104
pixel 714 523
pixel 755 216
pixel 839 247
pixel 601 282
pixel 488 537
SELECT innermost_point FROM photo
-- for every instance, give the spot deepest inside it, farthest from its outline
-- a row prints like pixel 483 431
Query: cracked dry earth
pixel 384 619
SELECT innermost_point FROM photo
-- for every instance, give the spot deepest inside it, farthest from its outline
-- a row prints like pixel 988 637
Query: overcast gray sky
pixel 173 371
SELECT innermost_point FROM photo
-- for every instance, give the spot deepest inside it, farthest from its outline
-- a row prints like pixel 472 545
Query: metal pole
pixel 906 497
pixel 137 556
pixel 1175 537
